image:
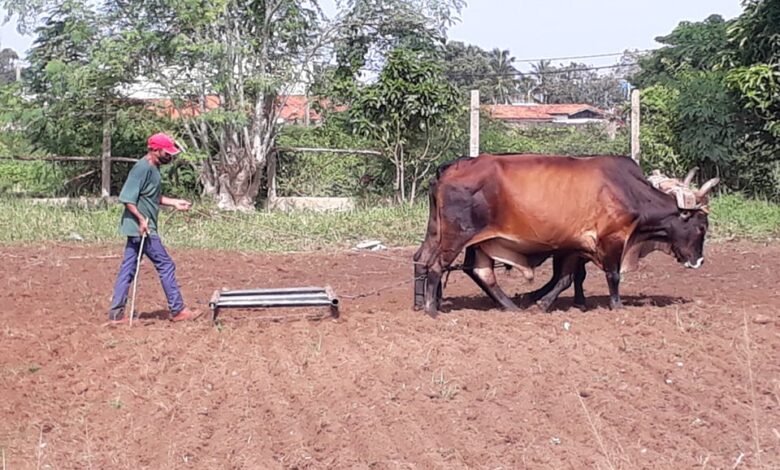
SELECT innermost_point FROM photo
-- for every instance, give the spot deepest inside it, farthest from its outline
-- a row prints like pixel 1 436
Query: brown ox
pixel 686 197
pixel 522 209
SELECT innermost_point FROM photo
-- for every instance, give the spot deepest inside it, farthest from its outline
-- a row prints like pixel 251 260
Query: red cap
pixel 162 141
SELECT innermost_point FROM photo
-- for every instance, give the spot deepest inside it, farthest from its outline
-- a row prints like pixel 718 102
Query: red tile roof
pixel 294 107
pixel 166 107
pixel 537 112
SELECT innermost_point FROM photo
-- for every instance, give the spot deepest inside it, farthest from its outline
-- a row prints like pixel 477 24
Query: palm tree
pixel 540 71
pixel 505 76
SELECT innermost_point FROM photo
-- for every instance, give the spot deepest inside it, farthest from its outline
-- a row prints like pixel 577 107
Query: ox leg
pixel 545 289
pixel 483 270
pixel 579 279
pixel 432 283
pixel 420 275
pixel 613 281
pixel 469 265
pixel 567 266
pixel 612 247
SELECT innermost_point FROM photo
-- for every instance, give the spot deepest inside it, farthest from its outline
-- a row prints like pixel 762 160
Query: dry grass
pixel 596 433
pixel 752 388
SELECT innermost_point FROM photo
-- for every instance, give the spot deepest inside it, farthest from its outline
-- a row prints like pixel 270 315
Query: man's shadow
pixel 155 315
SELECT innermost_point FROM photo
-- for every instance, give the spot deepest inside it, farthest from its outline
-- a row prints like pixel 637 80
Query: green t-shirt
pixel 142 188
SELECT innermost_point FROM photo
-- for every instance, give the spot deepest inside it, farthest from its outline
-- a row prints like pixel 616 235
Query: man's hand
pixel 178 204
pixel 143 227
pixel 182 205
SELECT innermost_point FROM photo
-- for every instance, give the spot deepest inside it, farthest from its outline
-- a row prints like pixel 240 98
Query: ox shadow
pixel 563 304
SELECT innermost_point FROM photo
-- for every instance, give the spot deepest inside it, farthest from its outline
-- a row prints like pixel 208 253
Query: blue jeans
pixel 155 251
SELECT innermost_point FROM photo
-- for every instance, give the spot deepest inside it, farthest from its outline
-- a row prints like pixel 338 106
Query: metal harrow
pixel 275 297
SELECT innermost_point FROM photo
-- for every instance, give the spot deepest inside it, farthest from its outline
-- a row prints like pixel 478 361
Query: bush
pixel 30 178
pixel 332 175
pixel 593 139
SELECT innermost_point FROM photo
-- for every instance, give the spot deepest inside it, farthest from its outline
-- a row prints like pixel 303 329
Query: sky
pixel 534 29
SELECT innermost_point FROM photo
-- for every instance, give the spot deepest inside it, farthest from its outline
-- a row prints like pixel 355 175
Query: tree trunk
pixel 234 182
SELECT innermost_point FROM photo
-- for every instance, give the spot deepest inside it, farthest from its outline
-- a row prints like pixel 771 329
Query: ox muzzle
pixel 695 265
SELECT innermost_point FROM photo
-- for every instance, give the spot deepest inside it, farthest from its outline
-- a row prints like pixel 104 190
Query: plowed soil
pixel 687 375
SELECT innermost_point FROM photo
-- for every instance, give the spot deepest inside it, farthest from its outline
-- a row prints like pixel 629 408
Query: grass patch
pixel 735 216
pixel 732 216
pixel 116 403
pixel 208 228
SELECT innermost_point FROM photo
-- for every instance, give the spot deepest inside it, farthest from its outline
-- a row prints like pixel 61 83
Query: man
pixel 142 197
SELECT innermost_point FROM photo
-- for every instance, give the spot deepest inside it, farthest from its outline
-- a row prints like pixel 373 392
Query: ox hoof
pixel 581 306
pixel 616 305
pixel 545 306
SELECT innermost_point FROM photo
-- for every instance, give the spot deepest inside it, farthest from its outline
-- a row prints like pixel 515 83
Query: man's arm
pixel 130 194
pixel 143 227
pixel 179 204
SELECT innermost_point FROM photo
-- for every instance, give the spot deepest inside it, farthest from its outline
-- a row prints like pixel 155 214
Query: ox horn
pixel 707 187
pixel 689 177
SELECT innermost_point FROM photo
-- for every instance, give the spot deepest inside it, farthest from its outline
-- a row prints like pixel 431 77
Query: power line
pixel 542 73
pixel 592 56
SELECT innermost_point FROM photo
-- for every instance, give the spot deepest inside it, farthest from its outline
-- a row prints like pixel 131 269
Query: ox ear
pixel 689 177
pixel 706 187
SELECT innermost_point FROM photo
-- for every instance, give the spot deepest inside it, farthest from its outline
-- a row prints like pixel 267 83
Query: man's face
pixel 163 157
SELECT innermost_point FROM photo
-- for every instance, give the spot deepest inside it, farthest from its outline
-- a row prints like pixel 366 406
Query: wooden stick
pixel 135 278
pixel 83 175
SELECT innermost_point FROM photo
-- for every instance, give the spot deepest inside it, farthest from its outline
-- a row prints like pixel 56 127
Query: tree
pixel 245 57
pixel 754 76
pixel 504 76
pixel 411 111
pixel 70 86
pixel 577 83
pixel 28 12
pixel 8 60
pixel 468 68
pixel 690 46
pixel 540 72
pixel 721 82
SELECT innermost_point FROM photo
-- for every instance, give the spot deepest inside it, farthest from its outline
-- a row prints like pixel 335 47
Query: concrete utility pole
pixel 474 133
pixel 105 161
pixel 635 150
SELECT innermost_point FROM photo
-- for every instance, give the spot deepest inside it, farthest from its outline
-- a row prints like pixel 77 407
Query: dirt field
pixel 686 376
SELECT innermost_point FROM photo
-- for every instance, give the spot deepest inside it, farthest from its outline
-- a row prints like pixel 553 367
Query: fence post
pixel 474 132
pixel 105 160
pixel 635 150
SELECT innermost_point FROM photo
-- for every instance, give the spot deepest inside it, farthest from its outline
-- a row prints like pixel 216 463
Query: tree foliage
pixel 710 99
pixel 690 46
pixel 410 111
pixel 243 56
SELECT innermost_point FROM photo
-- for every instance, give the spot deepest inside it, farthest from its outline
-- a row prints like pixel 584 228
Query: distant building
pixel 533 114
pixel 295 109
